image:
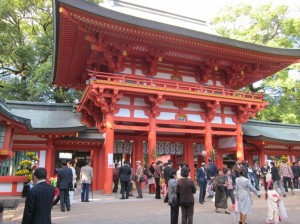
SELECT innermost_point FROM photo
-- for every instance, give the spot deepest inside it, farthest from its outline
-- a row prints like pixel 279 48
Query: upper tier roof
pixel 75 19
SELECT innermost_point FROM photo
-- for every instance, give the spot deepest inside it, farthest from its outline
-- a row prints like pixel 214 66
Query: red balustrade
pixel 172 84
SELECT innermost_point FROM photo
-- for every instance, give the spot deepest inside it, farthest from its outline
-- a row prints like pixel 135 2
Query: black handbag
pixel 142 179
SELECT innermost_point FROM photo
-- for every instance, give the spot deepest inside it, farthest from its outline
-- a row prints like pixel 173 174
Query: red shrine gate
pixel 158 83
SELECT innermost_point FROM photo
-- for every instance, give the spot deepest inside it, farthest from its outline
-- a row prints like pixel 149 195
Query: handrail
pixel 168 84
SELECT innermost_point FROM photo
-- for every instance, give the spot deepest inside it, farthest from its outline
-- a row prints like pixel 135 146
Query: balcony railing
pixel 174 85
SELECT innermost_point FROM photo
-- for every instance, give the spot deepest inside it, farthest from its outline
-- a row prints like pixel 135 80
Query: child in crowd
pixel 272 199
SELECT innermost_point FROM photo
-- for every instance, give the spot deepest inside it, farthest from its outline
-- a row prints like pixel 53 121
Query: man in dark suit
pixel 64 184
pixel 39 199
pixel 201 179
pixel 211 171
pixel 124 173
pixel 167 173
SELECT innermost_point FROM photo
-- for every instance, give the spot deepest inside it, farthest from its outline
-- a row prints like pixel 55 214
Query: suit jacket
pixel 167 172
pixel 64 178
pixel 38 204
pixel 86 174
pixel 211 170
pixel 124 173
pixel 275 173
pixel 201 176
pixel 186 188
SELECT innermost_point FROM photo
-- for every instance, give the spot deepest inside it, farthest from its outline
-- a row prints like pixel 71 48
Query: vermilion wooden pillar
pixel 109 149
pixel 151 139
pixel 239 142
pixel 189 157
pixel 219 161
pixel 208 139
pixel 262 156
pixel 138 153
pixel 50 158
pixel 95 165
pixel 101 166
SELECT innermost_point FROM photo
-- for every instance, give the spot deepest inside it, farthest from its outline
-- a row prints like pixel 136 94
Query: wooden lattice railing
pixel 174 85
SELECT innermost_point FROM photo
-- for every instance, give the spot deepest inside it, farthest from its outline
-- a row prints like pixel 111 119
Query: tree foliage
pixel 26 48
pixel 274 26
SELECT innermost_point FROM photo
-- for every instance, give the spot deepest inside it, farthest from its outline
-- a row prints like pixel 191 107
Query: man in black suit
pixel 211 172
pixel 202 181
pixel 167 173
pixel 64 184
pixel 124 173
pixel 39 199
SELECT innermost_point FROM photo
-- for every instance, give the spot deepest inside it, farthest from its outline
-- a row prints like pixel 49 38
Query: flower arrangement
pixel 26 166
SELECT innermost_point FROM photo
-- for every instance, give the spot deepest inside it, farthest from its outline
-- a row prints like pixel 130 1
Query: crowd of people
pixel 173 185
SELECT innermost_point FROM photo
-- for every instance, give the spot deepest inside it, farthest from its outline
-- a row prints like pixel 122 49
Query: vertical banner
pixel 110 160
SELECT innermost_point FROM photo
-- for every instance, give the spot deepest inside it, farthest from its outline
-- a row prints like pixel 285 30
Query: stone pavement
pixel 109 209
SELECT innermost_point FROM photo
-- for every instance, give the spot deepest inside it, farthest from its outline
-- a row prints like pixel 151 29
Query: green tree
pixel 277 27
pixel 26 33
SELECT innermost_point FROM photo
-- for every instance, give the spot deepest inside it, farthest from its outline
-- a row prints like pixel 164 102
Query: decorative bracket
pixel 210 110
pixel 244 112
pixel 155 101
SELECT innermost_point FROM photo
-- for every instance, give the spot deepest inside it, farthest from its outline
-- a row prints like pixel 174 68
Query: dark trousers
pixel 125 188
pixel 174 213
pixel 187 213
pixel 202 193
pixel 85 190
pixel 166 200
pixel 64 198
pixel 296 182
pixel 157 192
pixel 116 183
pixel 230 193
pixel 287 180
pixel 138 185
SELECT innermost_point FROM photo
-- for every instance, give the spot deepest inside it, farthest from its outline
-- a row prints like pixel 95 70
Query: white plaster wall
pixel 193 107
pixel 228 120
pixel 19 187
pixel 163 75
pixel 139 72
pixel 210 83
pixel 123 113
pixel 194 117
pixel 139 102
pixel 42 156
pixel 42 161
pixel 166 116
pixel 227 110
pixel 218 83
pixel 217 120
pixel 124 101
pixel 189 79
pixel 218 110
pixel 139 114
pixel 275 147
pixel 296 147
pixel 127 71
pixel 5 187
pixel 228 142
pixel 168 105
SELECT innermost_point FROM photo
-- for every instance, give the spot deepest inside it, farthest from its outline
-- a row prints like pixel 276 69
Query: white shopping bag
pixel 213 199
pixel 282 210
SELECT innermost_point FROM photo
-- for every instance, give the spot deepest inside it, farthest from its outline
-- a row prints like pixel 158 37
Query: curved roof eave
pixel 272 131
pixel 18 119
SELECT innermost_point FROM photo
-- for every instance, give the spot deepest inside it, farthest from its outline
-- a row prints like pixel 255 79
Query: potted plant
pixel 25 168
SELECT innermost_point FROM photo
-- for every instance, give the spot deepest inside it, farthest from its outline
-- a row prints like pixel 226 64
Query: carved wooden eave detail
pixel 244 112
pixel 154 101
pixel 210 110
pixel 152 58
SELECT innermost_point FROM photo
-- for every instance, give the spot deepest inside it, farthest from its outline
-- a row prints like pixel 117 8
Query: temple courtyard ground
pixel 109 209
